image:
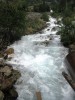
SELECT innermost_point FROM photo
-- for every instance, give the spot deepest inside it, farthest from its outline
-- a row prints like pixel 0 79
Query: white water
pixel 41 66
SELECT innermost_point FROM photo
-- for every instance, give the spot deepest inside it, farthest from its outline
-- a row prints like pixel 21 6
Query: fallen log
pixel 38 95
pixel 69 80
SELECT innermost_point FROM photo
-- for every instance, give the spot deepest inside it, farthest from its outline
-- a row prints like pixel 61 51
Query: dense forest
pixel 13 21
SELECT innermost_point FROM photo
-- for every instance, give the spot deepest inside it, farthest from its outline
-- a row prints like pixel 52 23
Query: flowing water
pixel 40 59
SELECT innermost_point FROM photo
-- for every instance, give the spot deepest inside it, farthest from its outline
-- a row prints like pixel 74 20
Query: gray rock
pixel 1 95
pixel 8 76
pixel 6 71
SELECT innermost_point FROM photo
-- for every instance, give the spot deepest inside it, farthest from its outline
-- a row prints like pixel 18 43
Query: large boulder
pixel 70 64
pixel 1 95
pixel 8 76
pixel 9 51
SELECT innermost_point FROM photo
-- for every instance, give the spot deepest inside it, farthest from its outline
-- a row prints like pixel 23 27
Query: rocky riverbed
pixel 8 77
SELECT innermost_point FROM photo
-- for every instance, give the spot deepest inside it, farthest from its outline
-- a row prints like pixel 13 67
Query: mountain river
pixel 40 59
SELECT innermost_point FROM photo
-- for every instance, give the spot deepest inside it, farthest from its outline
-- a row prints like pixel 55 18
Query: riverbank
pixel 34 22
pixel 8 77
pixel 7 90
pixel 70 61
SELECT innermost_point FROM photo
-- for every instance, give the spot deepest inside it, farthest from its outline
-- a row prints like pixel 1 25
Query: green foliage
pixel 45 17
pixel 43 7
pixel 34 25
pixel 68 31
pixel 12 19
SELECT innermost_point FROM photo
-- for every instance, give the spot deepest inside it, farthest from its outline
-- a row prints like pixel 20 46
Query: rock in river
pixel 9 51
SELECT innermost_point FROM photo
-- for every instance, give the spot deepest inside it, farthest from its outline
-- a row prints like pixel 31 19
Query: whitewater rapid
pixel 40 59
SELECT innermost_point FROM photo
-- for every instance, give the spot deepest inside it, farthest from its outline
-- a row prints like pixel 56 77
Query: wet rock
pixel 6 71
pixel 5 56
pixel 10 94
pixel 55 28
pixel 1 95
pixel 71 48
pixel 9 51
pixel 13 93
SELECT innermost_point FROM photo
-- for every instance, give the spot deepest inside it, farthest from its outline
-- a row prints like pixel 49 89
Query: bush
pixel 34 24
pixel 45 17
pixel 67 34
pixel 43 7
pixel 12 19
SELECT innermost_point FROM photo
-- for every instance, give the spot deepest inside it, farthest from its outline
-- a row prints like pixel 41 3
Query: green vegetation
pixel 42 7
pixel 12 19
pixel 45 17
pixel 14 22
pixel 66 9
pixel 68 31
pixel 35 22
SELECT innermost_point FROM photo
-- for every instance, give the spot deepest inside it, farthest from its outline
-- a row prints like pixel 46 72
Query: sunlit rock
pixel 9 51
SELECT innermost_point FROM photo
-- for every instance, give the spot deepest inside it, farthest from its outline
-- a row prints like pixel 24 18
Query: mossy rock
pixel 9 51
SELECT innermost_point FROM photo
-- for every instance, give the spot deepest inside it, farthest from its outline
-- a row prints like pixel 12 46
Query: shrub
pixel 12 19
pixel 43 7
pixel 45 17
